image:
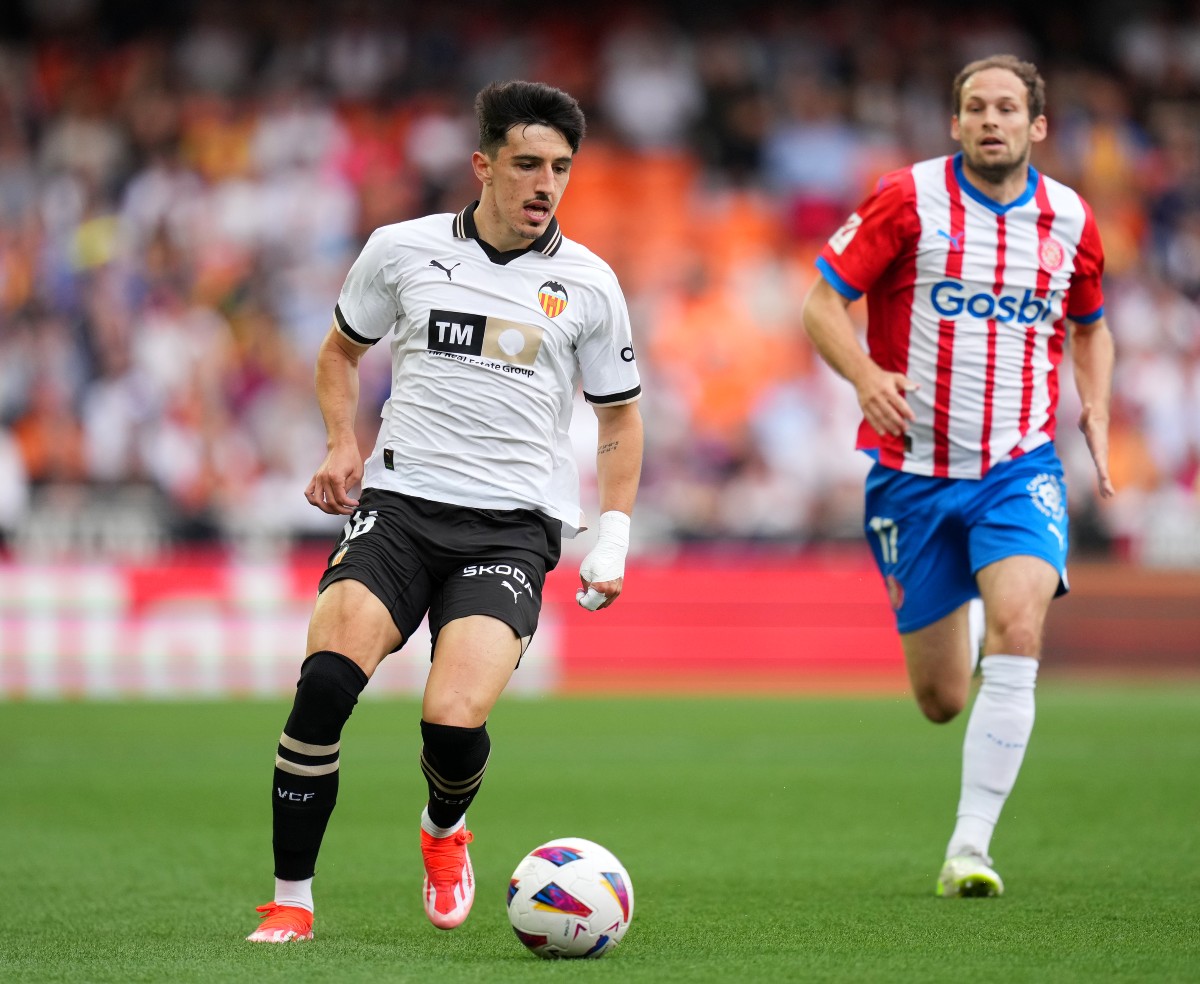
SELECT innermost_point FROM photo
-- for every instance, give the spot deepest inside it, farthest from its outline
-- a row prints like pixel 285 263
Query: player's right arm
pixel 337 387
pixel 882 228
pixel 880 393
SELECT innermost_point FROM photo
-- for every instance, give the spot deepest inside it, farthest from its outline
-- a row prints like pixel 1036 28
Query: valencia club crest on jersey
pixel 1050 254
pixel 553 298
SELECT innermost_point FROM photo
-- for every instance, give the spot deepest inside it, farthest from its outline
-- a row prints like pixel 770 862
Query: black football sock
pixel 453 760
pixel 306 764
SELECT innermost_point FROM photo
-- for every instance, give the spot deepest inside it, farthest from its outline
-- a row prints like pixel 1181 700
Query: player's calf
pixel 305 784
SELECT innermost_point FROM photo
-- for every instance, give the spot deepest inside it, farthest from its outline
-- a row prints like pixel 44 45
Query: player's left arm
pixel 618 472
pixel 1093 354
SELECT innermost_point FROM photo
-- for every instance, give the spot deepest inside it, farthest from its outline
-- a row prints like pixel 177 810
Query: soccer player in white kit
pixel 977 271
pixel 495 319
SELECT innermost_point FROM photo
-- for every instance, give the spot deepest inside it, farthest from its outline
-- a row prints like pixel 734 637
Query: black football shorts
pixel 419 556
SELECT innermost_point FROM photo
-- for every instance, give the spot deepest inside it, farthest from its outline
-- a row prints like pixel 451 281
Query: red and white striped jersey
pixel 968 298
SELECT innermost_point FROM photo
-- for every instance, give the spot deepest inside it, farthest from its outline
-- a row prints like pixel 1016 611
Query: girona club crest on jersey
pixel 553 298
pixel 1050 254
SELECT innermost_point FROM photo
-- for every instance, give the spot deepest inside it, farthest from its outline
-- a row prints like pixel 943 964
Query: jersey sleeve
pixel 1085 300
pixel 368 307
pixel 607 363
pixel 872 237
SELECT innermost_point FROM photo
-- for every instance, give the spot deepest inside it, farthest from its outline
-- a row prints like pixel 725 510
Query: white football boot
pixel 969 876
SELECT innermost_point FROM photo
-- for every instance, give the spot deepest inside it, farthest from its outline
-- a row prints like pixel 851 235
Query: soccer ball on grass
pixel 570 897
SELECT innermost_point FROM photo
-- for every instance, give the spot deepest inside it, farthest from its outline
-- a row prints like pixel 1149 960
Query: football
pixel 570 897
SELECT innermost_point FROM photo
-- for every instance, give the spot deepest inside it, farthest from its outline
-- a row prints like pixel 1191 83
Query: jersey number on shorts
pixel 888 533
pixel 356 525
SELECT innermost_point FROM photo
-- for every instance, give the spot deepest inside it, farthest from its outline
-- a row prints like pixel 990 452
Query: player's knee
pixel 326 693
pixel 1018 637
pixel 331 676
pixel 941 705
pixel 459 717
pixel 459 710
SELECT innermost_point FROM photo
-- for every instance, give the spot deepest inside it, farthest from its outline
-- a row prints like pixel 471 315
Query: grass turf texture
pixel 771 839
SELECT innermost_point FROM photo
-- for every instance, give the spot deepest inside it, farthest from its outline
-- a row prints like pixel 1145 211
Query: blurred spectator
pixel 813 156
pixel 728 132
pixel 48 434
pixel 651 92
pixel 14 486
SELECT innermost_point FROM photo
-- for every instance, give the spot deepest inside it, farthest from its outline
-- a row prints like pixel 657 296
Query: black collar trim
pixel 464 228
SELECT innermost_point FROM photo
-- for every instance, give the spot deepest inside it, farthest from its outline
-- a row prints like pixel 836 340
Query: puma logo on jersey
pixel 446 270
pixel 955 241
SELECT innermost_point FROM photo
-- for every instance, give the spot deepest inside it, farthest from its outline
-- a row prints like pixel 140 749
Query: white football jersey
pixel 487 351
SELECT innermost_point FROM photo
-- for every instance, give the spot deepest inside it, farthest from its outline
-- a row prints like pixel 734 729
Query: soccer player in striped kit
pixel 978 270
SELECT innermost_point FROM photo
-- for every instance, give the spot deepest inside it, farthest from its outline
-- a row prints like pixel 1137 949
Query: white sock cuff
pixel 297 893
pixel 433 830
pixel 1017 672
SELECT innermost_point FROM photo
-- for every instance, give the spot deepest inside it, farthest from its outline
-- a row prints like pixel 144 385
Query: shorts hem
pixel 1061 570
pixel 922 622
pixel 493 613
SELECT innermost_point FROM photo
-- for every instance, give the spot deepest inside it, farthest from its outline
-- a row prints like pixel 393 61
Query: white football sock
pixel 976 627
pixel 997 733
pixel 433 830
pixel 294 893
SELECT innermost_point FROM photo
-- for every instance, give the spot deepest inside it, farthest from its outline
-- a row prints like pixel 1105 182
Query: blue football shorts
pixel 931 535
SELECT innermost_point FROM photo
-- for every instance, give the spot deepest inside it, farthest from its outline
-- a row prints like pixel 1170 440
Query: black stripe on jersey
pixel 625 397
pixel 349 332
pixel 464 227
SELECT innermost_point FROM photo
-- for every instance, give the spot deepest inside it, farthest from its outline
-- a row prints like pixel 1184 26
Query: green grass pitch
pixel 767 839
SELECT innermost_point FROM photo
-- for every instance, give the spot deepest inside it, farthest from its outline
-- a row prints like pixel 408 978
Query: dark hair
pixel 502 105
pixel 1035 85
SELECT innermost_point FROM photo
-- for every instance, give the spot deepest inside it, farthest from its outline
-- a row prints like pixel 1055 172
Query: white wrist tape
pixel 606 561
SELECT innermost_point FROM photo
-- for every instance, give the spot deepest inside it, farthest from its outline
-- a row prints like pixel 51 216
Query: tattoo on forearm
pixel 605 448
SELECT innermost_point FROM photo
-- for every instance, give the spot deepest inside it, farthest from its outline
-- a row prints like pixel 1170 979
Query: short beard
pixel 998 173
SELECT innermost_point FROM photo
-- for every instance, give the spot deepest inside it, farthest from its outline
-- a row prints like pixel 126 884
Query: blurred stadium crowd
pixel 184 185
